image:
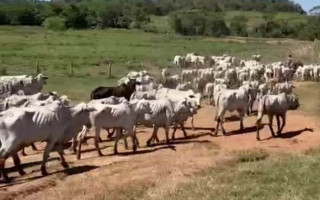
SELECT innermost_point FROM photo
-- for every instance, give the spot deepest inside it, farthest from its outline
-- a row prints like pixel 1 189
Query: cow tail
pixel 6 104
pixel 217 106
pixel 82 134
pixel 262 108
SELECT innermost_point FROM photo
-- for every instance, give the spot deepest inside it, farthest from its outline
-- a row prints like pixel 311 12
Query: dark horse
pixel 123 90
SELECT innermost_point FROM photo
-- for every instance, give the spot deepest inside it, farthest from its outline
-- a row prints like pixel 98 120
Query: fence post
pixel 37 66
pixel 71 68
pixel 110 70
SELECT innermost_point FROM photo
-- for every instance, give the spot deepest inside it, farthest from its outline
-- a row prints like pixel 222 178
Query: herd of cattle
pixel 29 116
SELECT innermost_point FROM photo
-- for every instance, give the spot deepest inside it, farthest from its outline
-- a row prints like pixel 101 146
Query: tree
pixel 238 26
pixel 216 27
pixel 75 18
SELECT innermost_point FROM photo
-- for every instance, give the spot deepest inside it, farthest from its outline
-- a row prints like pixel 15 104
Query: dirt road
pixel 158 169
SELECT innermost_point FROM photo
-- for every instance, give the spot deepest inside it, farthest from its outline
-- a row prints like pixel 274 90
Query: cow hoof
pixel 65 165
pixel 6 179
pixel 21 172
pixel 44 172
pixel 100 154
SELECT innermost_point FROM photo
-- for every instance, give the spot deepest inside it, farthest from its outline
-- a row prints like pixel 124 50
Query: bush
pixel 238 26
pixel 216 27
pixel 55 23
pixel 75 18
pixel 311 30
pixel 197 23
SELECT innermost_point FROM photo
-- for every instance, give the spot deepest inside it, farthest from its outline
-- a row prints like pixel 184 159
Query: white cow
pixel 120 116
pixel 22 126
pixel 161 115
pixel 230 100
pixel 179 61
pixel 276 105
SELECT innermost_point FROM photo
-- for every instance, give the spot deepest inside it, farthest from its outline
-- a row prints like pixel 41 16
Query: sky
pixel 308 4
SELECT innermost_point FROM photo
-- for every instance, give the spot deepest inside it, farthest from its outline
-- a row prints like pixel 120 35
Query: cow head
pixel 42 79
pixel 293 102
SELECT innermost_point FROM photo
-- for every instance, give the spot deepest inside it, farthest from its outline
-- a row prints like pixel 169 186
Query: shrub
pixel 238 26
pixel 216 27
pixel 312 30
pixel 75 18
pixel 55 23
pixel 198 23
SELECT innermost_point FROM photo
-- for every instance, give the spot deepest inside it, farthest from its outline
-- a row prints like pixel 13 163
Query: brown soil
pixel 158 169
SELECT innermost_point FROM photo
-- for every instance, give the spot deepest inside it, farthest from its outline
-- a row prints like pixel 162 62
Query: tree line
pixel 213 24
pixel 187 17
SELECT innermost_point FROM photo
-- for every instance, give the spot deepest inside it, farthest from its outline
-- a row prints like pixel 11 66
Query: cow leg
pixel 153 136
pixel 96 141
pixel 156 139
pixel 283 124
pixel 110 133
pixel 33 146
pixel 166 130
pixel 183 129
pixel 3 171
pixel 48 149
pixel 258 132
pixel 223 130
pixel 174 130
pixel 17 164
pixel 73 148
pixel 136 140
pixel 278 123
pixel 125 142
pixel 192 122
pixel 270 125
pixel 133 137
pixel 220 121
pixel 23 152
pixel 241 114
pixel 82 135
pixel 59 149
pixel 217 127
pixel 118 137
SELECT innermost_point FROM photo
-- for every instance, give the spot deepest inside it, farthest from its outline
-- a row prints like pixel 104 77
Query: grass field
pixel 90 51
